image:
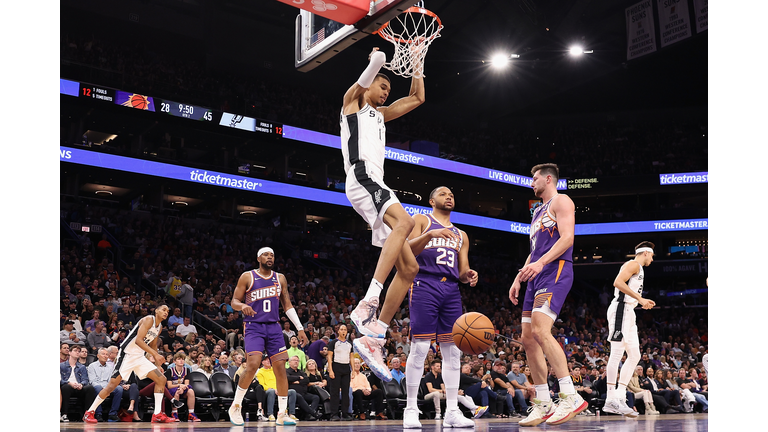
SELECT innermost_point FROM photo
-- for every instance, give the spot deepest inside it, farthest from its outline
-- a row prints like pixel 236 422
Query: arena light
pixel 576 50
pixel 499 61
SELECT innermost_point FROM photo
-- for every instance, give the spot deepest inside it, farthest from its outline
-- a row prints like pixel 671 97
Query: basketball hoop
pixel 411 33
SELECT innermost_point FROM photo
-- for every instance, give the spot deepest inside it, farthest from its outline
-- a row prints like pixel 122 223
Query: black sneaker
pixel 346 417
pixel 335 418
pixel 177 403
pixel 113 418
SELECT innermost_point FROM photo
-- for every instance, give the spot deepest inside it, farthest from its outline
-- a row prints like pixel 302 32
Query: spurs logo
pixel 377 196
pixel 235 120
pixel 321 6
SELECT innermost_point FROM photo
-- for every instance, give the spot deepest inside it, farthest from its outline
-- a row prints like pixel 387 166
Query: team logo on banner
pixel 641 39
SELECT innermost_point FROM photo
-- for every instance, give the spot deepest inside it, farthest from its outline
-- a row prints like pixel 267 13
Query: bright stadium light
pixel 499 61
pixel 576 50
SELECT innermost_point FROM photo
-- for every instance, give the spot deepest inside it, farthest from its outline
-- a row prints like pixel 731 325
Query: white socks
pixel 374 290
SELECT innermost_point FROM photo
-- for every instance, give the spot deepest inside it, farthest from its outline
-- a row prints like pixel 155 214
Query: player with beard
pixel 258 296
pixel 442 252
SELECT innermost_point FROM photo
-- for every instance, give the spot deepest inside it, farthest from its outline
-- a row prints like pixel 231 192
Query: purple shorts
pixel 265 339
pixel 173 391
pixel 549 287
pixel 435 305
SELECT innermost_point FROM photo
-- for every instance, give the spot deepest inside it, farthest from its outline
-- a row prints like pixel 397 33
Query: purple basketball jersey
pixel 263 296
pixel 544 234
pixel 440 256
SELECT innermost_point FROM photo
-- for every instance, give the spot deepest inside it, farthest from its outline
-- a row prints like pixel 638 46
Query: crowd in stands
pixel 588 150
pixel 192 266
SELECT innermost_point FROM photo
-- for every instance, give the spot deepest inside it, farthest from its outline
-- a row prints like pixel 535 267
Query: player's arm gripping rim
pixel 285 299
pixel 238 297
pixel 565 211
pixel 628 270
pixel 466 274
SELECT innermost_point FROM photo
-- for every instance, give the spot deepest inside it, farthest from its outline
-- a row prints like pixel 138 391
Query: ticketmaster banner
pixel 684 178
pixel 213 178
pixel 334 141
pixel 641 33
pixel 674 21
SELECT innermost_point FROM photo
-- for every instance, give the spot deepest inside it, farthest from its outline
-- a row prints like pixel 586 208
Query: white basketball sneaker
pixel 567 408
pixel 411 418
pixel 538 412
pixel 454 418
pixel 235 415
pixel 617 406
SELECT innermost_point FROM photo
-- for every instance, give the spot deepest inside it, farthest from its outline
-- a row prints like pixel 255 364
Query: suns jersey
pixel 635 283
pixel 263 296
pixel 440 256
pixel 129 344
pixel 363 139
pixel 544 233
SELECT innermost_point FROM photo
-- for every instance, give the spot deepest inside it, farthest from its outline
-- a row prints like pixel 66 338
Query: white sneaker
pixel 438 416
pixel 370 350
pixel 411 418
pixel 454 418
pixel 538 412
pixel 293 417
pixel 271 418
pixel 64 419
pixel 285 420
pixel 618 406
pixel 235 416
pixel 568 407
pixel 365 320
pixel 260 416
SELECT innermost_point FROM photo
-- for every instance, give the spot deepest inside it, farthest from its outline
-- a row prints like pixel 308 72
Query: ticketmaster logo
pixel 683 178
pixel 219 180
pixel 403 157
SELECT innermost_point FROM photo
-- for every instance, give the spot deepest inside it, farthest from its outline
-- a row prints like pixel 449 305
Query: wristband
pixel 294 317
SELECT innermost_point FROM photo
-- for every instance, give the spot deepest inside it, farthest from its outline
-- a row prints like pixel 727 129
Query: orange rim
pixel 412 9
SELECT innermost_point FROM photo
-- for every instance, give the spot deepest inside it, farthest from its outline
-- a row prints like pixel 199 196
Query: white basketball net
pixel 411 33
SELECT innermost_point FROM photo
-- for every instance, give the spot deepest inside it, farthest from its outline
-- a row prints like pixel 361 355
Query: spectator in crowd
pixel 186 328
pixel 395 368
pixel 63 352
pixel 69 334
pixel 685 382
pixel 504 389
pixel 176 319
pixel 186 297
pixel 295 350
pixel 169 338
pixel 362 391
pixel 206 366
pixel 655 383
pixel 518 381
pixel 99 374
pixel 224 365
pixel 178 385
pixel 644 395
pixel 435 386
pixel 298 381
pixel 90 325
pixel 583 386
pixel 74 382
pixel 266 377
pixel 315 351
pixel 97 338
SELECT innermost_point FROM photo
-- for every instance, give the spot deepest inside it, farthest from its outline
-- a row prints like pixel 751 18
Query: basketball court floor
pixel 664 423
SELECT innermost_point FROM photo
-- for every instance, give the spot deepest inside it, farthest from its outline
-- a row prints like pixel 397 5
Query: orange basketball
pixel 473 333
pixel 139 101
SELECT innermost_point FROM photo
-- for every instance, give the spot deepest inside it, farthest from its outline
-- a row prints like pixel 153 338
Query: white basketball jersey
pixel 363 139
pixel 129 344
pixel 635 283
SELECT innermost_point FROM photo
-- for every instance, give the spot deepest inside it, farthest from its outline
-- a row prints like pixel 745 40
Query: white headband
pixel 643 249
pixel 264 250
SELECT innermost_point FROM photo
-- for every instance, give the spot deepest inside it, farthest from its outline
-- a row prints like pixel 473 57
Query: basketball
pixel 473 333
pixel 139 101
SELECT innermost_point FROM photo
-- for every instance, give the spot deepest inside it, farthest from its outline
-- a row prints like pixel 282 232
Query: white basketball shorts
pixel 370 198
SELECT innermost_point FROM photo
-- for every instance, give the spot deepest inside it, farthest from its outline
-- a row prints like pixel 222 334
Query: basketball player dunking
pixel 258 295
pixel 622 328
pixel 363 139
pixel 549 273
pixel 442 252
pixel 140 341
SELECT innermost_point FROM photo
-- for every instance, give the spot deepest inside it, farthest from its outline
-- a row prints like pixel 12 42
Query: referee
pixel 339 352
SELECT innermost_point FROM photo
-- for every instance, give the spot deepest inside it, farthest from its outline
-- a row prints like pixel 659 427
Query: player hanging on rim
pixel 549 273
pixel 258 296
pixel 363 140
pixel 622 328
pixel 140 341
pixel 442 252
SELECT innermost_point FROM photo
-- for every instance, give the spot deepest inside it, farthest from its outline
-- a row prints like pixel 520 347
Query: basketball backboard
pixel 318 39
